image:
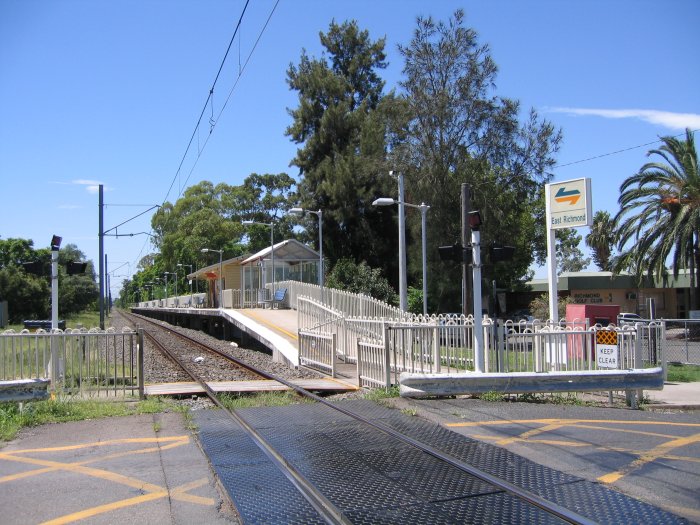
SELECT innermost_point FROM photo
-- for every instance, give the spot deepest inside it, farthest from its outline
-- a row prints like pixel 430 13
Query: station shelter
pixel 293 261
pixel 250 274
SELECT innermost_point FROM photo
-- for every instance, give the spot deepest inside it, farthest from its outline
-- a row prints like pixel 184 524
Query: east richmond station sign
pixel 569 204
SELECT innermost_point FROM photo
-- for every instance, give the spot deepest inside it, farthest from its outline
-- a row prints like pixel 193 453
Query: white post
pixel 321 277
pixel 54 289
pixel 551 260
pixel 478 330
pixel 54 367
pixel 403 293
pixel 221 290
pixel 424 235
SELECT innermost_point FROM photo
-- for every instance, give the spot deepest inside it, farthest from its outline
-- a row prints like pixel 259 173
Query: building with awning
pixel 292 261
pixel 670 295
pixel 231 277
pixel 246 278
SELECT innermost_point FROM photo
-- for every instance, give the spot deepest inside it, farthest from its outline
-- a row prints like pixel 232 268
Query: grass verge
pixel 262 399
pixel 378 394
pixel 683 373
pixel 15 416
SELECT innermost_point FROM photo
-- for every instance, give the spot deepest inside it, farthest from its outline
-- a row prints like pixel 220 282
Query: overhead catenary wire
pixel 208 100
pixel 619 151
pixel 213 121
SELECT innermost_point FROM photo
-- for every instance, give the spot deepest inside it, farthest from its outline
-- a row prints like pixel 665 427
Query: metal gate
pixel 83 362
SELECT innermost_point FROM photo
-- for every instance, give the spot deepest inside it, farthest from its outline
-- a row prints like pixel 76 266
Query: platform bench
pixel 277 299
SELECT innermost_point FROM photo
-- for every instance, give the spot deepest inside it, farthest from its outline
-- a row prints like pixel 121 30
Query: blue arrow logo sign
pixel 571 196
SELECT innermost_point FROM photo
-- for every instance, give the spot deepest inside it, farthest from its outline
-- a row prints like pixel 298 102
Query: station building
pixel 247 274
pixel 671 295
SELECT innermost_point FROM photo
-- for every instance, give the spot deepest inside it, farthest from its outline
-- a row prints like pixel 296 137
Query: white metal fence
pixel 86 362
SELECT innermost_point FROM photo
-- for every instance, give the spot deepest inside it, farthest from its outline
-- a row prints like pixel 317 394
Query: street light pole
pixel 319 214
pixel 403 286
pixel 165 276
pixel 388 201
pixel 190 267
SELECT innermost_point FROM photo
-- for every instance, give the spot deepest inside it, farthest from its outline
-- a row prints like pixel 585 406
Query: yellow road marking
pixel 101 509
pixel 180 492
pixel 554 442
pixel 655 453
pixel 176 442
pixel 177 493
pixel 89 471
pixel 272 325
pixel 153 491
pixel 183 439
pixel 556 424
pixel 571 421
pixel 661 451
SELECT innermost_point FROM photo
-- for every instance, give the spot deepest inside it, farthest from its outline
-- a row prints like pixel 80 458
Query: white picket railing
pixel 93 362
pixel 385 341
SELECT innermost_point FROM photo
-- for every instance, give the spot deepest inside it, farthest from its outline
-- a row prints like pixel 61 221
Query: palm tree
pixel 660 213
pixel 601 240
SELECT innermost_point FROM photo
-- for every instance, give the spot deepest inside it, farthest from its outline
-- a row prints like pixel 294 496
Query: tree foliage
pixel 340 127
pixel 569 256
pixel 601 239
pixel 539 307
pixel 361 278
pixel 659 213
pixel 28 295
pixel 210 216
pixel 456 130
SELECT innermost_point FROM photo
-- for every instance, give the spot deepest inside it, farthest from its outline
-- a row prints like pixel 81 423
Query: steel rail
pixel 208 348
pixel 523 494
pixel 326 509
pixel 550 507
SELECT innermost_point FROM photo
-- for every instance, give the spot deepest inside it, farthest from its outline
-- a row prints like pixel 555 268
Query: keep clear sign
pixel 606 349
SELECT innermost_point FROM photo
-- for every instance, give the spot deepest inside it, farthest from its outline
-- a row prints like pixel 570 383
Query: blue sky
pixel 110 91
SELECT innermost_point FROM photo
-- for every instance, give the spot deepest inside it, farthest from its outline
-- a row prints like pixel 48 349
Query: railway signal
pixel 76 268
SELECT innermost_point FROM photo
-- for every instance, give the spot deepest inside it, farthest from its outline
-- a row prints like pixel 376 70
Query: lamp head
pixel 205 250
pixel 247 222
pixel 384 201
pixel 297 211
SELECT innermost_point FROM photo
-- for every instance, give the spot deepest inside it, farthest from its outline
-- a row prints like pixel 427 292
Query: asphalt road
pixel 652 456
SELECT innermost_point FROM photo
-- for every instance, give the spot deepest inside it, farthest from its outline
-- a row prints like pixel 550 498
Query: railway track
pixel 197 360
pixel 328 511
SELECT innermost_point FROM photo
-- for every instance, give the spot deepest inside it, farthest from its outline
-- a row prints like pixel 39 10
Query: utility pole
pixel 466 240
pixel 403 283
pixel 101 256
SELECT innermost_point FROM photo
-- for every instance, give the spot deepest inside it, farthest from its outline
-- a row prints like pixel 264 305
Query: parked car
pixel 627 318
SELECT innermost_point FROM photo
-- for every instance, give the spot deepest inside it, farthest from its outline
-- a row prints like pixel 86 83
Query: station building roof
pixel 200 273
pixel 290 251
pixel 599 280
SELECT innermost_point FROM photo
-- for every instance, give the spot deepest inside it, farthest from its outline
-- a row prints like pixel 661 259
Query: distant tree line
pixel 29 295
